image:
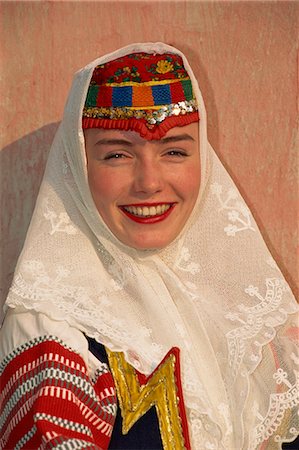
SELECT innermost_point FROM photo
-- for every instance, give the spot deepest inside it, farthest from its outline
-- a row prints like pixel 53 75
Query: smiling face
pixel 144 190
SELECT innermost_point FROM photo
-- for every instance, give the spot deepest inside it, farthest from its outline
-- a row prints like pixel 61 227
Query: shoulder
pixel 27 328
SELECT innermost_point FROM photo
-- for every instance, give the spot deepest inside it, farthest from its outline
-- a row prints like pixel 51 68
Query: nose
pixel 148 177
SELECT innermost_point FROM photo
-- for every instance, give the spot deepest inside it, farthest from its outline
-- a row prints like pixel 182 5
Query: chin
pixel 143 243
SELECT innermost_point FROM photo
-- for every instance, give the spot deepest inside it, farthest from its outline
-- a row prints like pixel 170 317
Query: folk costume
pixel 192 346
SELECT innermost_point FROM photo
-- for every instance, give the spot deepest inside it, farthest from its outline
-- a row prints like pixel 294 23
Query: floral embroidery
pixel 125 74
pixel 205 435
pixel 172 65
pixel 281 376
pixel 238 213
pixel 255 320
pixel 140 68
pixel 59 222
pixel 184 264
pixel 46 287
pixel 164 66
pixel 279 403
pixel 119 275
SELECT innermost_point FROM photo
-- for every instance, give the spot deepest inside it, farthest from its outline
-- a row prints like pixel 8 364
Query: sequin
pixel 177 110
pixel 152 116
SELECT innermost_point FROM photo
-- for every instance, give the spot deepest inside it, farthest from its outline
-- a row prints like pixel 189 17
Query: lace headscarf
pixel 215 292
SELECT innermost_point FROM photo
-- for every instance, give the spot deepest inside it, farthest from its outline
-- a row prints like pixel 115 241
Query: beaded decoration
pixel 149 88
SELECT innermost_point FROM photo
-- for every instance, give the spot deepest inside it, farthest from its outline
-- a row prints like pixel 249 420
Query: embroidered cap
pixel 147 93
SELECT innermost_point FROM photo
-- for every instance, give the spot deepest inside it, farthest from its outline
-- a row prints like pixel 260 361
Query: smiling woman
pixel 144 190
pixel 146 311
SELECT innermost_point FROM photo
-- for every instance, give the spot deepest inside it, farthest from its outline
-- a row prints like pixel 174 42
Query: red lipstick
pixel 148 219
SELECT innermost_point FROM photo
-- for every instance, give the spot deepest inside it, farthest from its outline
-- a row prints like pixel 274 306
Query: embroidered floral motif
pixel 164 66
pixel 59 222
pixel 281 376
pixel 184 264
pixel 140 68
pixel 125 74
pixel 255 320
pixel 205 435
pixel 171 64
pixel 46 287
pixel 119 275
pixel 238 213
pixel 279 403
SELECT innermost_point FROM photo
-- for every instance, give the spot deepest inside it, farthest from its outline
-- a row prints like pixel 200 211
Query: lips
pixel 148 213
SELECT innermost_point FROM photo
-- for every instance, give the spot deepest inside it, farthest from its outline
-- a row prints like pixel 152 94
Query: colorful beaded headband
pixel 148 93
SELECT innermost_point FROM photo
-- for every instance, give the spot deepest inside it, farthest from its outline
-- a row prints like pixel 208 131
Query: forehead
pixel 187 132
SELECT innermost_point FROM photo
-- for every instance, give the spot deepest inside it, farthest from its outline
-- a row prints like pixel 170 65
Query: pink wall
pixel 244 54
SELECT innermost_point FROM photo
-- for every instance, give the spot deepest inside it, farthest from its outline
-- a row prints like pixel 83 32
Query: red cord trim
pixel 140 125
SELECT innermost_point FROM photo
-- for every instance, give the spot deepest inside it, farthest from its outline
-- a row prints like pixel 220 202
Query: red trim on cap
pixel 141 126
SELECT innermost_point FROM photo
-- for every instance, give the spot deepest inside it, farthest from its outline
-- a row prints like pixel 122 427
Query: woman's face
pixel 144 190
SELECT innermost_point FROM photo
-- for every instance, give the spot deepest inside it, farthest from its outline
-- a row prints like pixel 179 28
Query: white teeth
pixel 145 211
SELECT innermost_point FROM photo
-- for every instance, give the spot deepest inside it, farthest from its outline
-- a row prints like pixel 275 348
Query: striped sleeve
pixel 49 401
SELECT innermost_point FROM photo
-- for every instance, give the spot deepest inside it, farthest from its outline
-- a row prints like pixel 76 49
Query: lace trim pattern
pixel 256 322
pixel 279 404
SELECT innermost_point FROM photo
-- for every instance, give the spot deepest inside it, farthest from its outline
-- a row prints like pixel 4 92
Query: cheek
pixel 107 186
pixel 190 183
pixel 101 186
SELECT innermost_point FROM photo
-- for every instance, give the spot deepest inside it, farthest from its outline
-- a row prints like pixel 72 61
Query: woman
pixel 144 286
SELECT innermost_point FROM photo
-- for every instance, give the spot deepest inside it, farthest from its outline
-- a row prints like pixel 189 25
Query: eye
pixel 177 153
pixel 115 155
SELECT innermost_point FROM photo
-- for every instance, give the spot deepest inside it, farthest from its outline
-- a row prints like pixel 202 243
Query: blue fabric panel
pixel 161 94
pixel 122 96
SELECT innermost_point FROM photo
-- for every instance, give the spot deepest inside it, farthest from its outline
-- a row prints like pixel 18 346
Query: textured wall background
pixel 244 54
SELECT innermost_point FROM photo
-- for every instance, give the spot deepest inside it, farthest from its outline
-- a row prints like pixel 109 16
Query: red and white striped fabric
pixel 49 401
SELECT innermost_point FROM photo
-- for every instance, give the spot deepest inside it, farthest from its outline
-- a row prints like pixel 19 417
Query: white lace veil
pixel 216 293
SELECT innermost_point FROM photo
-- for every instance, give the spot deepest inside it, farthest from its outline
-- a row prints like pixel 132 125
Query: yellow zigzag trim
pixel 135 399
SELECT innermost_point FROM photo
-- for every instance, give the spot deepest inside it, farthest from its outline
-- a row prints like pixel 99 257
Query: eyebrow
pixel 165 140
pixel 114 142
pixel 180 137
